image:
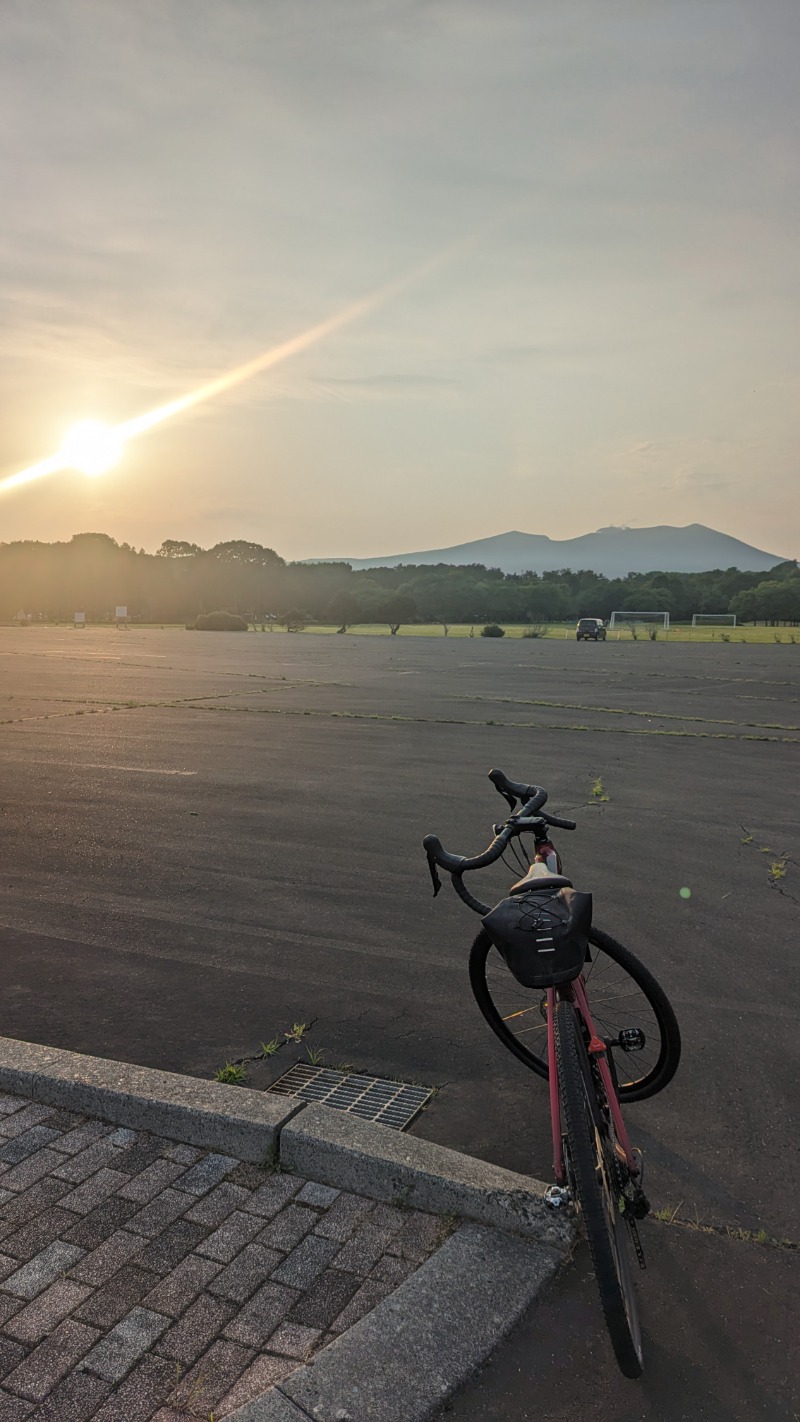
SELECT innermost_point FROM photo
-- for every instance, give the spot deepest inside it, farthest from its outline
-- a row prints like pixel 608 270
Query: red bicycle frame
pixel 576 992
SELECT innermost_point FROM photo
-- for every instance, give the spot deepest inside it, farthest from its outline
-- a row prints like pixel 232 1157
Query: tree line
pixel 92 573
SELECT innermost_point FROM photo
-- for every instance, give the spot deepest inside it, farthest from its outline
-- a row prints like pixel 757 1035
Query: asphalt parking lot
pixel 208 837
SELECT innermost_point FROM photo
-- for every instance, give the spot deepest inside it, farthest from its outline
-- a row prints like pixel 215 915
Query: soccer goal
pixel 639 619
pixel 714 619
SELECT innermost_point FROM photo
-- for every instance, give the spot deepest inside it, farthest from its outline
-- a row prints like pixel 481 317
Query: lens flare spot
pixel 685 893
pixel 91 447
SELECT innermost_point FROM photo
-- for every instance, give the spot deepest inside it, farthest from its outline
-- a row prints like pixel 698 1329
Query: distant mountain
pixel 611 551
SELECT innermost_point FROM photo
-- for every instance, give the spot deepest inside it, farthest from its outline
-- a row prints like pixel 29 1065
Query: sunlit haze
pixel 374 276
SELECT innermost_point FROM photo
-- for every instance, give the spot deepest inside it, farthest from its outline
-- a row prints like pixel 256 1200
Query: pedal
pixel 631 1039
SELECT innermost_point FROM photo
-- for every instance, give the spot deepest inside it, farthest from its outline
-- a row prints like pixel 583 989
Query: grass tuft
pixel 232 1074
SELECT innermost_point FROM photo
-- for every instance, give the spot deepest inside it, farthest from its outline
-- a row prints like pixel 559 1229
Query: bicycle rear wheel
pixel 622 994
pixel 592 1182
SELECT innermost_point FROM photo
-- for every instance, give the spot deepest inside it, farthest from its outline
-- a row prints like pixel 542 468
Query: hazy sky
pixel 613 337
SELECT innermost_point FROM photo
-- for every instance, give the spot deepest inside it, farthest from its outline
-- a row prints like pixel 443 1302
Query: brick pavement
pixel 146 1281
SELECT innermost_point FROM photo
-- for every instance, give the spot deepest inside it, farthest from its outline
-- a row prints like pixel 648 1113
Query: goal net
pixel 714 619
pixel 640 619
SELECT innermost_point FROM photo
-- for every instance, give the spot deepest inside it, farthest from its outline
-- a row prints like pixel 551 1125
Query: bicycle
pixel 538 952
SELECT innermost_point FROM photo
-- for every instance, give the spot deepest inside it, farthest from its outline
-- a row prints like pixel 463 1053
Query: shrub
pixel 220 622
pixel 537 629
pixel 493 629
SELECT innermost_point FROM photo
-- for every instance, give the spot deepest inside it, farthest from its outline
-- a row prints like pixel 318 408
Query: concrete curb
pixel 405 1359
pixel 338 1149
pixel 245 1124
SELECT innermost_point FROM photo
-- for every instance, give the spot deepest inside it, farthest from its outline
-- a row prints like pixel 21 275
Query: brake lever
pixel 437 883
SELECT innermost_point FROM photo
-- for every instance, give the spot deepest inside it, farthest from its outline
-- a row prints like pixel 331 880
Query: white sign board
pixel 80 618
pixel 121 612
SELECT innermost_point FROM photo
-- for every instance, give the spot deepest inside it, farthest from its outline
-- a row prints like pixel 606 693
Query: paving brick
pixel 372 1292
pixel 6 1196
pixel 246 1273
pixel 40 1317
pixel 364 1248
pixel 288 1227
pixel 9 1104
pixel 143 1389
pixel 319 1195
pixel 19 1177
pixel 11 1354
pixel 182 1154
pixel 218 1204
pixel 42 1270
pixel 98 1267
pixel 93 1191
pixel 115 1355
pixel 261 1316
pixel 162 1211
pixel 293 1340
pixel 44 1368
pixel 200 1390
pixel 305 1263
pixel 122 1137
pixel 149 1182
pixel 276 1192
pixel 8 1307
pixel 163 1253
pixel 174 1293
pixel 84 1135
pixel 14 1409
pixel 232 1236
pixel 344 1215
pixel 249 1175
pixel 7 1265
pixel 138 1156
pixel 76 1399
pixel 90 1230
pixel 21 1121
pixel 207 1173
pixel 22 1146
pixel 391 1270
pixel 264 1373
pixel 325 1300
pixel 87 1162
pixel 22 1208
pixel 41 1231
pixel 200 1325
pixel 64 1121
pixel 124 1291
pixel 418 1236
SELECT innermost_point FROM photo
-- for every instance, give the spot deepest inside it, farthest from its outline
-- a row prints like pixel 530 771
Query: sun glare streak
pixel 74 457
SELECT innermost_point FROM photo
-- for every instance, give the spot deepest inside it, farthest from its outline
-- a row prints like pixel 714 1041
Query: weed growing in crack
pixel 297 1032
pixel 598 791
pixel 268 1049
pixel 232 1074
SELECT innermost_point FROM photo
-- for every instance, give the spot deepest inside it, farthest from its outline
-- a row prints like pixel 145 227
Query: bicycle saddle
pixel 540 880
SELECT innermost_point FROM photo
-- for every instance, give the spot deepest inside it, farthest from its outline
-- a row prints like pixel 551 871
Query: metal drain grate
pixel 390 1103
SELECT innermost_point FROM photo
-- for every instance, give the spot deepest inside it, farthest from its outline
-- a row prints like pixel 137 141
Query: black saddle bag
pixel 542 935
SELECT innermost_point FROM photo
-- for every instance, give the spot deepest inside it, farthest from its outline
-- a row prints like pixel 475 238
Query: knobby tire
pixel 588 1177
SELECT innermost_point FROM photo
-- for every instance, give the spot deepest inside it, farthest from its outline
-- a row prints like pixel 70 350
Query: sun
pixel 91 447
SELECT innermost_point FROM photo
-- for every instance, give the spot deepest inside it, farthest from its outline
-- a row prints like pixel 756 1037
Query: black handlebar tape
pixel 536 795
pixel 559 824
pixel 453 863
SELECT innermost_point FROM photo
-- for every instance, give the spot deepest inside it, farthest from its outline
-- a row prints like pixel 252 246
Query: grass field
pixel 759 636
